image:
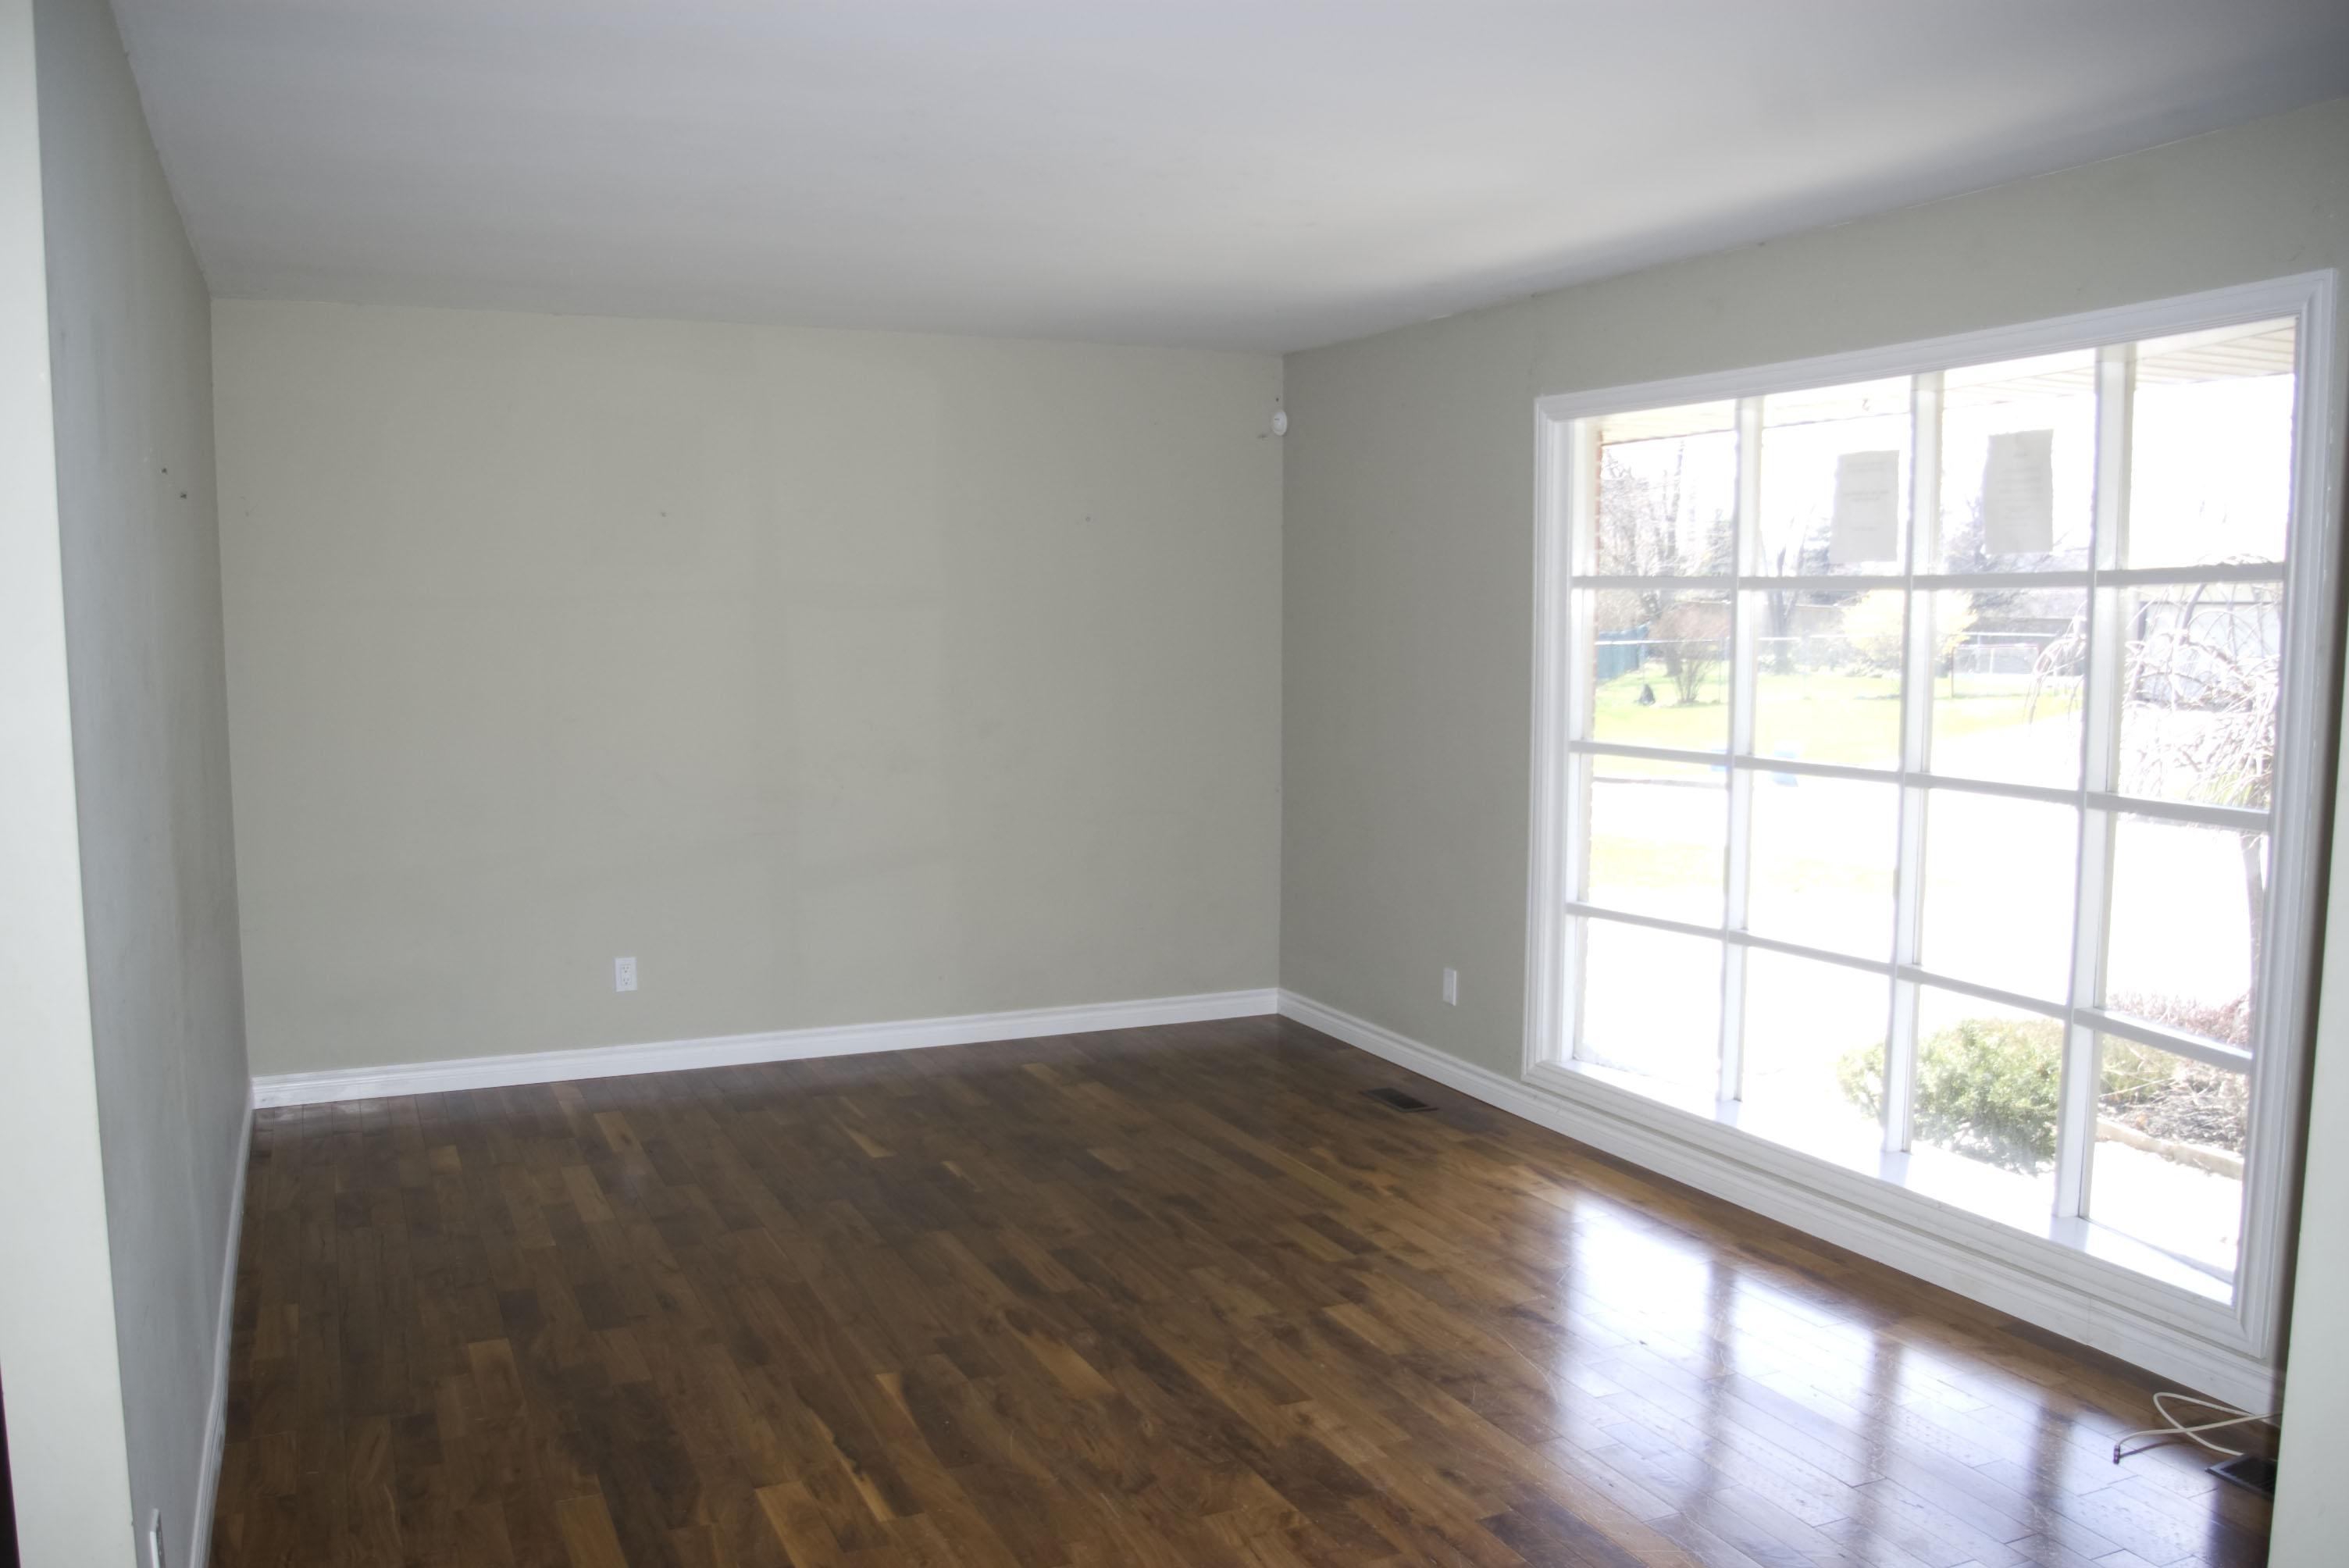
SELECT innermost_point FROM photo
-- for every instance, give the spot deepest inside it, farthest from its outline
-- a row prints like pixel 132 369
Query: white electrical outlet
pixel 624 973
pixel 1452 987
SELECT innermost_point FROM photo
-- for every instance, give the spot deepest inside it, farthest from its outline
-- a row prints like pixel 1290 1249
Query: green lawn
pixel 1825 717
pixel 1617 863
pixel 1647 864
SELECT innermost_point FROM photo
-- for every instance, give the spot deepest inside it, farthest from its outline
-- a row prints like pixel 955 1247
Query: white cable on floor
pixel 2177 1428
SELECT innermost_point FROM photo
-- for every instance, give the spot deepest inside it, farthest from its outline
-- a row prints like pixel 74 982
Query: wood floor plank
pixel 1176 1295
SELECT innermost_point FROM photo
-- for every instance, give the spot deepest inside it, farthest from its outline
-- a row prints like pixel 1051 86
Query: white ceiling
pixel 1269 174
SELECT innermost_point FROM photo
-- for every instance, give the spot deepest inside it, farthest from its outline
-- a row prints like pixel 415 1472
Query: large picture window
pixel 1930 766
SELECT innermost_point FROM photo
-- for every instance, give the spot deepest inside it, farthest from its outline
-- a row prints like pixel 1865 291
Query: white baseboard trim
pixel 200 1536
pixel 1928 1253
pixel 738 1050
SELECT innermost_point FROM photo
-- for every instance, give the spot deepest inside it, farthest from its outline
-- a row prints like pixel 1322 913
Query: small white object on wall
pixel 624 973
pixel 1280 421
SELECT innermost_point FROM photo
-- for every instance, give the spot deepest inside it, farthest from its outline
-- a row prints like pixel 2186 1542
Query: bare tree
pixel 1691 635
pixel 2200 690
pixel 1779 607
pixel 1646 527
pixel 2204 680
pixel 1876 626
pixel 1639 517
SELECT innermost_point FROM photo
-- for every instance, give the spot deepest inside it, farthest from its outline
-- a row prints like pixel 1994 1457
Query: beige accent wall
pixel 837 677
pixel 1408 613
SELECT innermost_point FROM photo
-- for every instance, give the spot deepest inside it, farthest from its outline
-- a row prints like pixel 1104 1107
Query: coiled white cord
pixel 2239 1416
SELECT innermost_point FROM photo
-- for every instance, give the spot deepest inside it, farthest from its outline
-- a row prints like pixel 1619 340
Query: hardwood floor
pixel 1162 1296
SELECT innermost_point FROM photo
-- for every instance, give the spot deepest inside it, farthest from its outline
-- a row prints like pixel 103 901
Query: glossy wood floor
pixel 1163 1297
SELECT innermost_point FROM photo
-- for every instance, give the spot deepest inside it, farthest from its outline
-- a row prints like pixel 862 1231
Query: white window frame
pixel 2056 1280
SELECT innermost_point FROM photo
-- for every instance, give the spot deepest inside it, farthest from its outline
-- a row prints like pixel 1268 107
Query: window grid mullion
pixel 1573 849
pixel 1744 655
pixel 2076 1109
pixel 2102 684
pixel 2132 576
pixel 1915 735
pixel 2231 1058
pixel 2241 819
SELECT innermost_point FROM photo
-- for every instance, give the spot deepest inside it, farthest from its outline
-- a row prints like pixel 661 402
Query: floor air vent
pixel 2252 1472
pixel 1398 1100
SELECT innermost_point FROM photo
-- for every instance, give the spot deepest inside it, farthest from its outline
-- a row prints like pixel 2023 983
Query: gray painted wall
pixel 57 1354
pixel 1408 606
pixel 835 676
pixel 130 355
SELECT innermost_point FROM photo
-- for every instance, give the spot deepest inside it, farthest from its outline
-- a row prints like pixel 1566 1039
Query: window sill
pixel 1950 1182
pixel 2180 1334
pixel 2084 1281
